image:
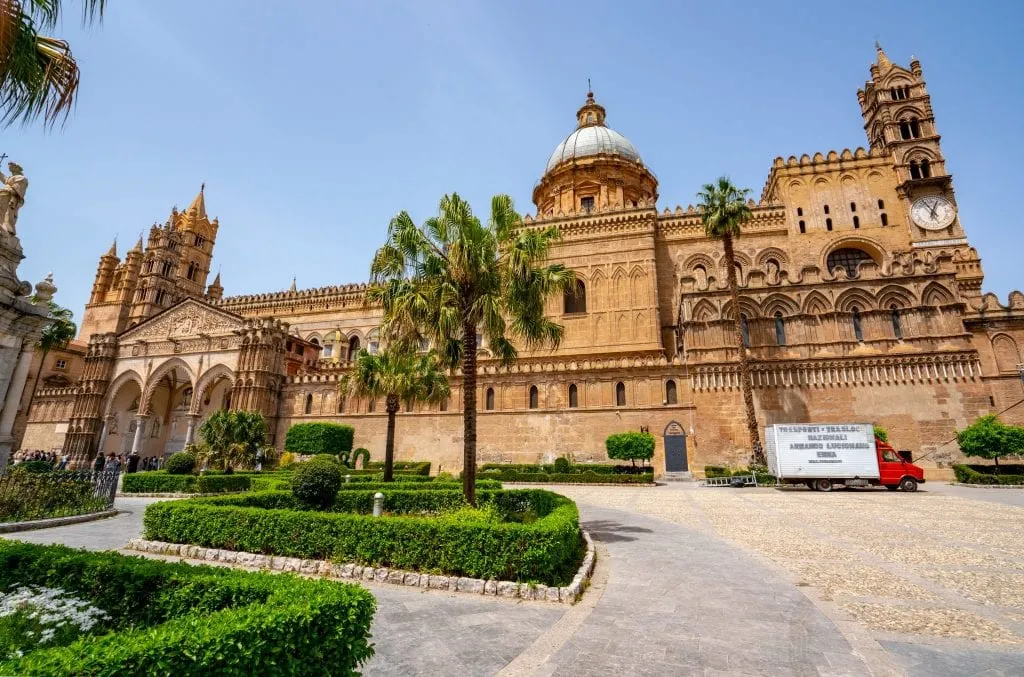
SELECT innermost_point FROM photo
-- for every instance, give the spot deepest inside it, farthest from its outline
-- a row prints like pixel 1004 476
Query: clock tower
pixel 898 119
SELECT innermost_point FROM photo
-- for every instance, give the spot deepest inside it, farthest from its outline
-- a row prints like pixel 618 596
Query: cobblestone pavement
pixel 936 580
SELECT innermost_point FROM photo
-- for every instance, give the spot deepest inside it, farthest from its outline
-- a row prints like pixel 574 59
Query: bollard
pixel 378 504
pixel 348 478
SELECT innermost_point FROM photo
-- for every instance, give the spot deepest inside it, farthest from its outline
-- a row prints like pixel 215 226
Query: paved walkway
pixel 726 582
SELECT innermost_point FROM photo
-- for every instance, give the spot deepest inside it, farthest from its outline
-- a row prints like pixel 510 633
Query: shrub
pixel 60 493
pixel 287 459
pixel 562 465
pixel 402 485
pixel 547 549
pixel 365 453
pixel 180 463
pixel 161 482
pixel 881 433
pixel 407 467
pixel 630 446
pixel 317 482
pixel 174 618
pixel 329 458
pixel 585 477
pixel 319 438
pixel 35 466
pixel 990 438
pixel 970 475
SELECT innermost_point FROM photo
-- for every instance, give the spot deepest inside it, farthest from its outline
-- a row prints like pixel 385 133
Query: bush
pixel 630 446
pixel 35 466
pixel 990 438
pixel 969 475
pixel 180 463
pixel 319 438
pixel 599 468
pixel 287 459
pixel 585 477
pixel 329 458
pixel 161 482
pixel 546 549
pixel 401 485
pixel 60 493
pixel 562 465
pixel 881 433
pixel 317 482
pixel 408 467
pixel 174 618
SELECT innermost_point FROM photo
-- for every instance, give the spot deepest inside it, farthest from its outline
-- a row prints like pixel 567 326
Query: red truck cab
pixel 894 472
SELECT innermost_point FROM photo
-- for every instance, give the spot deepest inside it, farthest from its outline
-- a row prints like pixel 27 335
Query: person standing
pixel 98 462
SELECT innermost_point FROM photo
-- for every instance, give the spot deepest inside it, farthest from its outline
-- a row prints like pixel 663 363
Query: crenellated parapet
pixel 832 162
pixel 292 301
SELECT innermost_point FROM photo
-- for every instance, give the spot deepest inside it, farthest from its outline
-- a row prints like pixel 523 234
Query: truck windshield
pixel 889 456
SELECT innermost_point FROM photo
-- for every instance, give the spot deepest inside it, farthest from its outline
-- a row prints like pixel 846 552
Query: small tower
pixel 197 236
pixel 899 120
pixel 105 275
pixel 215 292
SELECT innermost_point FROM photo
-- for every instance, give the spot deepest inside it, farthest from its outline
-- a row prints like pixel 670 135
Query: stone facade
pixel 861 300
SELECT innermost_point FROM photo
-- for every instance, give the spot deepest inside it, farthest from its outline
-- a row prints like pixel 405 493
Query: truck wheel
pixel 823 485
pixel 810 485
pixel 908 484
pixel 892 487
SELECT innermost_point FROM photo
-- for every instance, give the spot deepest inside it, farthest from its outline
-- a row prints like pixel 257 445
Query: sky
pixel 312 124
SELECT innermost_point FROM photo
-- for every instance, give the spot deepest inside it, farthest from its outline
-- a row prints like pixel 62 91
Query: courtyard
pixel 727 581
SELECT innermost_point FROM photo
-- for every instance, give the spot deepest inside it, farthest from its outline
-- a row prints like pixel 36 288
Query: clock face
pixel 933 212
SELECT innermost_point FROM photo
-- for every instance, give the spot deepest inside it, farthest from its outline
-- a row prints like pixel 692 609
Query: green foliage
pixel 233 438
pixel 990 438
pixel 630 446
pixel 401 485
pixel 175 618
pixel 562 465
pixel 585 477
pixel 364 453
pixel 971 475
pixel 723 208
pixel 180 463
pixel 881 433
pixel 760 472
pixel 319 438
pixel 317 482
pixel 56 493
pixel 60 329
pixel 160 482
pixel 418 537
pixel 599 468
pixel 406 467
pixel 35 466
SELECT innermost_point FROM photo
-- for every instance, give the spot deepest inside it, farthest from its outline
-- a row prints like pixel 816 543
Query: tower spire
pixel 113 248
pixel 883 59
pixel 199 203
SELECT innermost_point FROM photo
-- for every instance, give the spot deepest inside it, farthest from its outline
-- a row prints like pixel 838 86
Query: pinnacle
pixel 883 59
pixel 138 245
pixel 113 249
pixel 199 204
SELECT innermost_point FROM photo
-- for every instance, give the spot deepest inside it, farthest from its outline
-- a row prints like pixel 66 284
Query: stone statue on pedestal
pixel 12 197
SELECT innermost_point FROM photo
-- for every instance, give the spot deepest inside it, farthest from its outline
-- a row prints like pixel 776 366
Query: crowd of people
pixel 110 463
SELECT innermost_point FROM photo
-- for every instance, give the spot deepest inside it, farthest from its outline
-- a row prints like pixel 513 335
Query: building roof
pixel 590 141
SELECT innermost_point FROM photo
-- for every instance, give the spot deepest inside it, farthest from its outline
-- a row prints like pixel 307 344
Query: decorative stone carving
pixel 12 197
pixel 186 321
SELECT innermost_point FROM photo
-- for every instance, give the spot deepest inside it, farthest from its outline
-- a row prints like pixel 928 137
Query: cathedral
pixel 860 300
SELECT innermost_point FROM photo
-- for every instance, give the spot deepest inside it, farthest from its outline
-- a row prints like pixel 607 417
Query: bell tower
pixel 899 120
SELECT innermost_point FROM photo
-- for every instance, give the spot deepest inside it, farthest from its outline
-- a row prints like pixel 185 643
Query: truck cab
pixel 894 472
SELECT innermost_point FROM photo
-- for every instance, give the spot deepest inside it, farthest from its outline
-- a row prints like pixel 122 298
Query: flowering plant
pixel 32 616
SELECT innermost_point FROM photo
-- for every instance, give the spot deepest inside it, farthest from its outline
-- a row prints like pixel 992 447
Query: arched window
pixel 315 341
pixel 575 299
pixel 745 330
pixel 534 397
pixel 926 168
pixel 341 405
pixel 881 204
pixel 166 269
pixel 897 328
pixel 803 227
pixel 885 219
pixel 489 399
pixel 856 222
pixel 915 170
pixel 915 128
pixel 849 258
pixel 780 329
pixel 620 394
pixel 671 396
pixel 828 224
pixel 353 347
pixel 191 271
pixel 309 403
pixel 574 396
pixel 858 331
pixel 905 130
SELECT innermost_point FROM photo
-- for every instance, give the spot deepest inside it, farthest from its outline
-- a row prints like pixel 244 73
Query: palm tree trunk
pixel 389 445
pixel 745 380
pixel 35 384
pixel 469 411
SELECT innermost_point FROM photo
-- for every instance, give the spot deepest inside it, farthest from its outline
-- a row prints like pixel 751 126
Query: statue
pixel 773 271
pixel 12 197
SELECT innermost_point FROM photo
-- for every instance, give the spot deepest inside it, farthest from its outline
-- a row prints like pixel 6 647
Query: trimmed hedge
pixel 173 618
pixel 402 485
pixel 319 438
pixel 407 467
pixel 540 542
pixel 160 481
pixel 599 468
pixel 968 475
pixel 588 477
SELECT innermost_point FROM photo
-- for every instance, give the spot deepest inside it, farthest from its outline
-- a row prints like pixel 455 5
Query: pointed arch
pixel 704 311
pixel 771 253
pixel 855 298
pixel 895 296
pixel 1007 353
pixel 699 260
pixel 209 378
pixel 936 295
pixel 158 374
pixel 816 303
pixel 747 307
pixel 598 289
pixel 779 303
pixel 116 385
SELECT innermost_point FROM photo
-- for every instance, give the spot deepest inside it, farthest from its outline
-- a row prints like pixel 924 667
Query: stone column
pixel 103 433
pixel 11 401
pixel 140 426
pixel 190 431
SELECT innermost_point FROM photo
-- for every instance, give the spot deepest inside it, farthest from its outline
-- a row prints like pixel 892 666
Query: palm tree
pixel 454 278
pixel 397 374
pixel 38 74
pixel 724 210
pixel 233 437
pixel 57 334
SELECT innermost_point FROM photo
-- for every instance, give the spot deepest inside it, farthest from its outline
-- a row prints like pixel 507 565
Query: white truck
pixel 821 455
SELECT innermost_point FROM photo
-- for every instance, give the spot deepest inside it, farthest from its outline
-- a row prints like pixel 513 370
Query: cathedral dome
pixel 592 140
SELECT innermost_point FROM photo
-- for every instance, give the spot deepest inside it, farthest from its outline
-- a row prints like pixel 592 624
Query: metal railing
pixel 736 480
pixel 61 493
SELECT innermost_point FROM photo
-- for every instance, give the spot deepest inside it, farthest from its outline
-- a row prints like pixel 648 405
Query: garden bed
pixel 985 474
pixel 524 535
pixel 586 477
pixel 160 481
pixel 149 617
pixel 26 496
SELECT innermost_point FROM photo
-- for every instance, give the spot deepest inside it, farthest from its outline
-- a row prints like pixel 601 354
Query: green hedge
pixel 29 495
pixel 721 471
pixel 539 542
pixel 160 482
pixel 319 438
pixel 588 477
pixel 407 467
pixel 173 618
pixel 631 446
pixel 599 468
pixel 968 475
pixel 401 485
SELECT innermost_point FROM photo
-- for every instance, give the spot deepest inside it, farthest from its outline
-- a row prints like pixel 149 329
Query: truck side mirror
pixel 907 455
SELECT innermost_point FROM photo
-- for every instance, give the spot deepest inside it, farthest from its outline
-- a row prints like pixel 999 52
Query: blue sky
pixel 313 123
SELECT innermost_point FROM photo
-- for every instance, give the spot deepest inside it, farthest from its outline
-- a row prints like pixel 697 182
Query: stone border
pixel 14 527
pixel 351 571
pixel 578 484
pixel 986 486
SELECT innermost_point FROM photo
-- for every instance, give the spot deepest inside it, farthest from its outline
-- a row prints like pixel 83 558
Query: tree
pixel 57 334
pixel 630 446
pixel 233 438
pixel 398 375
pixel 724 210
pixel 454 278
pixel 38 74
pixel 990 438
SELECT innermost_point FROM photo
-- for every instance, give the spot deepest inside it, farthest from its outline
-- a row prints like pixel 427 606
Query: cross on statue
pixel 2 158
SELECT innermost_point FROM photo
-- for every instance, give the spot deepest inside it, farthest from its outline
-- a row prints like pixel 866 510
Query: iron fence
pixel 61 493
